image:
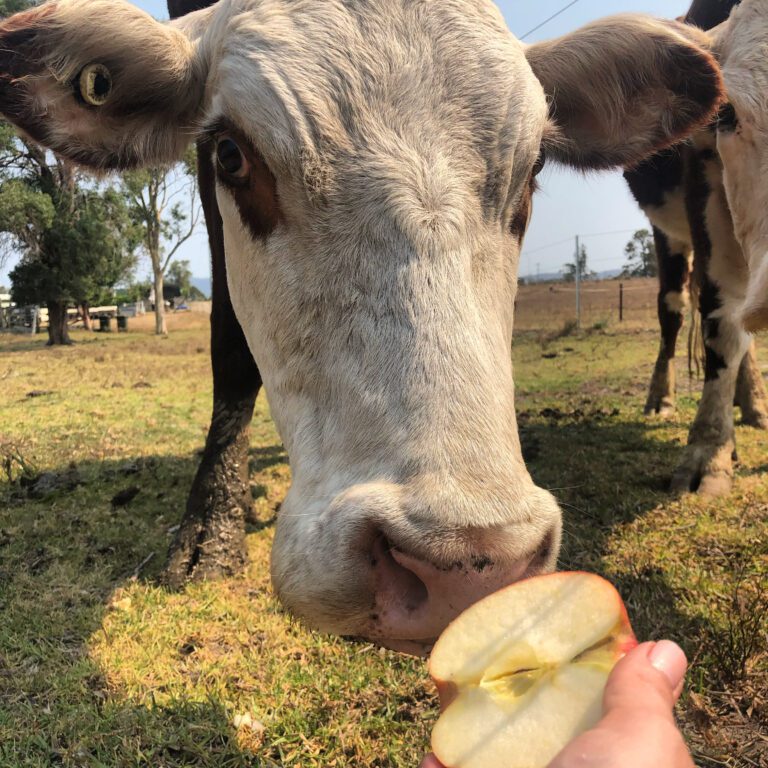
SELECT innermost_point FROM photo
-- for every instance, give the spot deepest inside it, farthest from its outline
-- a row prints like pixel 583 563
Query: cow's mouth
pixel 415 599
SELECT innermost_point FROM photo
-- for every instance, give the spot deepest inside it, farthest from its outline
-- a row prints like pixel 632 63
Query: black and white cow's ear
pixel 101 82
pixel 624 87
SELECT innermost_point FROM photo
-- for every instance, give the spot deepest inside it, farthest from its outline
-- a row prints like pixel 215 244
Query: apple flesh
pixel 522 672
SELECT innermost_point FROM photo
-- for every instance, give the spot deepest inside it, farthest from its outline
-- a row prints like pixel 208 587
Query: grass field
pixel 99 667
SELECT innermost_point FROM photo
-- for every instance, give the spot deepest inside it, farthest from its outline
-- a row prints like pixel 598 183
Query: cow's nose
pixel 415 600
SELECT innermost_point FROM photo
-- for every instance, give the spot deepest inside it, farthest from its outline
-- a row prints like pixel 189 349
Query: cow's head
pixel 742 142
pixel 375 162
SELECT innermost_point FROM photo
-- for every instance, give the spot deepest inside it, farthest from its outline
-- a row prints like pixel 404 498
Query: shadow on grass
pixel 12 342
pixel 262 457
pixel 61 559
pixel 606 473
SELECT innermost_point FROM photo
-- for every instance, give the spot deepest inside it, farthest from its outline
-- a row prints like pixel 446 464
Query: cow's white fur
pixel 742 45
pixel 400 208
pixel 401 134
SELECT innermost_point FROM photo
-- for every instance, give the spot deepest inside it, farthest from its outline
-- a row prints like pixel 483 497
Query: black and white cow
pixel 681 191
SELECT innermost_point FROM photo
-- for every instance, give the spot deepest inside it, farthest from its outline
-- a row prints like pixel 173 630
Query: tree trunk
pixel 160 327
pixel 58 332
pixel 85 308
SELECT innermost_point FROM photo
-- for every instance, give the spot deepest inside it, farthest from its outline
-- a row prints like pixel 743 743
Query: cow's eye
pixel 231 159
pixel 539 164
pixel 94 84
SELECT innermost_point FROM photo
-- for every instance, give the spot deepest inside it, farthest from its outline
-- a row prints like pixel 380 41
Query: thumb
pixel 649 677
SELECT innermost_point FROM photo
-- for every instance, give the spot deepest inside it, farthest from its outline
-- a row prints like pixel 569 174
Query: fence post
pixel 578 282
pixel 621 302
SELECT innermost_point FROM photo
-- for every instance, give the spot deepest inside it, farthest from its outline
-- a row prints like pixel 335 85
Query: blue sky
pixel 567 203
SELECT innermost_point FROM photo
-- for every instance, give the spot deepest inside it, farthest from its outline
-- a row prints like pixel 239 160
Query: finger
pixel 669 658
pixel 430 761
pixel 647 678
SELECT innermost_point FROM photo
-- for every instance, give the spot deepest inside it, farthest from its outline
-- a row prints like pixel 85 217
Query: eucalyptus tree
pixel 164 205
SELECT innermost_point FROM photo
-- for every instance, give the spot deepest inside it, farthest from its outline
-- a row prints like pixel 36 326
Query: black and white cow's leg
pixel 751 396
pixel 674 261
pixel 707 464
pixel 210 541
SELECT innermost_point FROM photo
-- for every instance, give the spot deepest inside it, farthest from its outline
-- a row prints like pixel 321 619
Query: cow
pixel 681 190
pixel 373 163
pixel 742 144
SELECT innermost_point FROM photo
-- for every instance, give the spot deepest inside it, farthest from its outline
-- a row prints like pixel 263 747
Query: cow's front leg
pixel 210 541
pixel 707 464
pixel 751 396
pixel 674 260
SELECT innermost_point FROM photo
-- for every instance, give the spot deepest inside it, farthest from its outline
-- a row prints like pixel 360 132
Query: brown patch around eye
pixel 522 215
pixel 254 192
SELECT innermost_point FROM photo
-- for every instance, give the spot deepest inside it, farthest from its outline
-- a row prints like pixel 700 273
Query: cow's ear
pixel 624 87
pixel 101 82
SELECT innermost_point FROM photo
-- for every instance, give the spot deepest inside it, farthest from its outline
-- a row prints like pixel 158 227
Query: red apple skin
pixel 448 691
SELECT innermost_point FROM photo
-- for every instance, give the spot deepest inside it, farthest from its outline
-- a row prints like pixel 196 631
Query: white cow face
pixel 375 164
pixel 742 142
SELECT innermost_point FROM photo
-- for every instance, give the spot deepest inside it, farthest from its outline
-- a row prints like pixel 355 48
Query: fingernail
pixel 670 660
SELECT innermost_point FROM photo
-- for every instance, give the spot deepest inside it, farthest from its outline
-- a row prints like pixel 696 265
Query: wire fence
pixel 617 303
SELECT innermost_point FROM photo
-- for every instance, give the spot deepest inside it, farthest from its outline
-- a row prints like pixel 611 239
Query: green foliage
pixel 85 246
pixel 133 291
pixel 180 275
pixel 9 7
pixel 25 211
pixel 585 273
pixel 641 256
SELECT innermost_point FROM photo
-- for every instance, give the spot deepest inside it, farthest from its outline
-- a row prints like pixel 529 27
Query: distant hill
pixel 203 284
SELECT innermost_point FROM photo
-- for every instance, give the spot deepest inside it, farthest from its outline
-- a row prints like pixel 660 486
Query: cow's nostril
pixel 544 559
pixel 397 587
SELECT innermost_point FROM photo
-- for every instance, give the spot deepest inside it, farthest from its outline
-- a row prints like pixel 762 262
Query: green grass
pixel 101 667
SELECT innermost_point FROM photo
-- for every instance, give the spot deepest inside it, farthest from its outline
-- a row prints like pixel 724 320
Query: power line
pixel 544 247
pixel 612 232
pixel 546 21
pixel 570 240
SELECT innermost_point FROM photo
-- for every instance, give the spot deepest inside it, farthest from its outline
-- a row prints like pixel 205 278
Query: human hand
pixel 638 729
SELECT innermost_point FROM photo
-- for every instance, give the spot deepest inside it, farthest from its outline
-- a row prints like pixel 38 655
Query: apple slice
pixel 522 672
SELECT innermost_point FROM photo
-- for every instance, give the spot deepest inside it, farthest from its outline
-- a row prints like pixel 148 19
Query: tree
pixel 87 248
pixel 9 7
pixel 180 275
pixel 157 198
pixel 569 270
pixel 641 256
pixel 75 238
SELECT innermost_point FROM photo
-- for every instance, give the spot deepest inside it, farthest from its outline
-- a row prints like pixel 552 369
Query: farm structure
pixel 35 319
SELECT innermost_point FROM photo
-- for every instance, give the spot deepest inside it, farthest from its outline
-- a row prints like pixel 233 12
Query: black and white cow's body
pixel 681 191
